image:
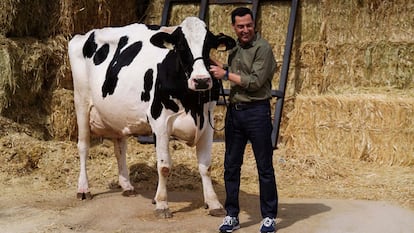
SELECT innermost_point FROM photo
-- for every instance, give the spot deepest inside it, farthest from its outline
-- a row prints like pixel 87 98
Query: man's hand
pixel 217 71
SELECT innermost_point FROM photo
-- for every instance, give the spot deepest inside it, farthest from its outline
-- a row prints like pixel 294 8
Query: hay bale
pixel 32 70
pixel 7 13
pixel 84 15
pixel 35 18
pixel 383 64
pixel 358 21
pixel 370 127
pixel 62 118
pixel 6 79
pixel 42 19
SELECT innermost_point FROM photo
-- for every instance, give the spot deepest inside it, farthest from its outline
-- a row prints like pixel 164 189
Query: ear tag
pixel 222 47
pixel 169 46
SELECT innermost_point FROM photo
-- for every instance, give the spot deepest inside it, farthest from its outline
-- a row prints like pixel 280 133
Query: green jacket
pixel 256 65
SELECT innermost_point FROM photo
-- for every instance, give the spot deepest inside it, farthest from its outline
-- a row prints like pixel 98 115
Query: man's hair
pixel 240 11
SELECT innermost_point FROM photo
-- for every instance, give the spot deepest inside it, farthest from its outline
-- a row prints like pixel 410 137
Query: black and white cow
pixel 138 80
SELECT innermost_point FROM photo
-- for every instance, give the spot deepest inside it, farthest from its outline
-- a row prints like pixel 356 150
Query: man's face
pixel 244 28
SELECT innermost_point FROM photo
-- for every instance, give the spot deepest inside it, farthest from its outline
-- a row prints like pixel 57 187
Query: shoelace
pixel 228 220
pixel 267 222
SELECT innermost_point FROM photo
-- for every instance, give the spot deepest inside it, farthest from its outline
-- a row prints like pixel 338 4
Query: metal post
pixel 284 72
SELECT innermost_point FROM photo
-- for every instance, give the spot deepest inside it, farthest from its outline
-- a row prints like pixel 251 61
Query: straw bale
pixel 41 19
pixel 90 14
pixel 273 19
pixel 383 64
pixel 37 18
pixel 6 79
pixel 7 12
pixel 358 21
pixel 32 68
pixel 62 117
pixel 324 69
pixel 154 12
pixel 180 11
pixel 369 127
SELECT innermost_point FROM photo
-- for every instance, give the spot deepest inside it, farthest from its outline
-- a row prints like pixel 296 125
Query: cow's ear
pixel 163 40
pixel 221 42
pixel 227 41
pixel 224 42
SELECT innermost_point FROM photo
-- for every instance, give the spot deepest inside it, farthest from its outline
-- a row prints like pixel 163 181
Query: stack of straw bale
pixel 42 19
pixel 369 127
pixel 355 83
pixel 35 79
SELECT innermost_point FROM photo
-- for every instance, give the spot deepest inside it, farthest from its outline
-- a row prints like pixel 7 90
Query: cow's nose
pixel 202 83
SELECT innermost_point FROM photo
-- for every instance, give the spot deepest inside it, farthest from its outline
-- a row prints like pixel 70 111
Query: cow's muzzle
pixel 202 83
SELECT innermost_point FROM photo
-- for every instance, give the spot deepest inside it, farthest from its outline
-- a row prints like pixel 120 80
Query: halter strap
pixel 185 71
pixel 198 58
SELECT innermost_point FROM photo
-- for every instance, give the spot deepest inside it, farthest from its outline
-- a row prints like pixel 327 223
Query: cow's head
pixel 190 46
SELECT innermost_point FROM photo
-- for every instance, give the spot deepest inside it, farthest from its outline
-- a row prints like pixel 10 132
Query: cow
pixel 147 80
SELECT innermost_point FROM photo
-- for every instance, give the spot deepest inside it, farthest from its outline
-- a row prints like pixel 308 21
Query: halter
pixel 198 58
pixel 187 74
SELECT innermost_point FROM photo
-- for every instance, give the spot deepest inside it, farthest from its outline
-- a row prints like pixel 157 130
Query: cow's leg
pixel 203 150
pixel 83 187
pixel 82 108
pixel 120 148
pixel 164 167
pixel 82 117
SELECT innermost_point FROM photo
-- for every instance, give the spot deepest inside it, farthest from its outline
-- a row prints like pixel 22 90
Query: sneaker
pixel 268 225
pixel 229 224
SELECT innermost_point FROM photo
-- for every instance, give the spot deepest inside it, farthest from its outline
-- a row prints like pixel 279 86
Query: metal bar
pixel 255 6
pixel 203 9
pixel 165 13
pixel 230 1
pixel 284 72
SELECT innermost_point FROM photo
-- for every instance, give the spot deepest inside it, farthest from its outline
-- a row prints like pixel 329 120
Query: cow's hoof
pixel 163 213
pixel 217 212
pixel 84 196
pixel 128 193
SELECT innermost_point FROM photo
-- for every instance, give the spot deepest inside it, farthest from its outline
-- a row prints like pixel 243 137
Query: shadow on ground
pixel 188 185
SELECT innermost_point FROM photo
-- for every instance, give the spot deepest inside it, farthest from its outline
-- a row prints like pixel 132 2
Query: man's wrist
pixel 226 75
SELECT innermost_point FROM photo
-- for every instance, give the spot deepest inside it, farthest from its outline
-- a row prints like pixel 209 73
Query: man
pixel 250 70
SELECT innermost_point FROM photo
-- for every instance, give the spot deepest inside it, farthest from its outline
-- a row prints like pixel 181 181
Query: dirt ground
pixel 38 180
pixel 110 212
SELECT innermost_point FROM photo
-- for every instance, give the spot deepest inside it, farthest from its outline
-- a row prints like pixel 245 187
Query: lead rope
pixel 225 103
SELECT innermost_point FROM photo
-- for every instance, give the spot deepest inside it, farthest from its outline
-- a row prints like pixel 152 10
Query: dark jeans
pixel 253 124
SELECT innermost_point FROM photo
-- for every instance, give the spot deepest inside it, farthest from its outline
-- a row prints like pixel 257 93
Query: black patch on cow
pixel 148 83
pixel 153 27
pixel 119 60
pixel 89 48
pixel 101 54
pixel 165 86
